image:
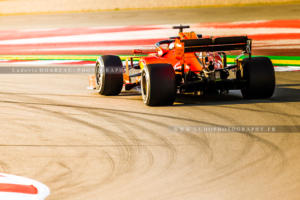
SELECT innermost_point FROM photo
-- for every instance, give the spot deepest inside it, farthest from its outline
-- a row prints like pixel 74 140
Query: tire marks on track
pixel 134 151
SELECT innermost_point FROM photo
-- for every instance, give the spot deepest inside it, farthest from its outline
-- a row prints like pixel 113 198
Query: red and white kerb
pixel 20 188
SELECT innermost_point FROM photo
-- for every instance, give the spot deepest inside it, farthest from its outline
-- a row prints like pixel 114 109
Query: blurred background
pixel 29 6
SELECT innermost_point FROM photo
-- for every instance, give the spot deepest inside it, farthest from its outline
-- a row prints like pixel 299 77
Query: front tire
pixel 109 74
pixel 158 84
pixel 258 72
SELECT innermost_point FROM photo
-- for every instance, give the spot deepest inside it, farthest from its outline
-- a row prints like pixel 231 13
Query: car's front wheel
pixel 109 74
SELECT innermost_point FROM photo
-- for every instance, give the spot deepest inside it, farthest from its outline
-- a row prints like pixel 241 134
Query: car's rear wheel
pixel 158 84
pixel 109 74
pixel 258 72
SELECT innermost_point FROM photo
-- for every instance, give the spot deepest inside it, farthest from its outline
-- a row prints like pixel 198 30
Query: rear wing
pixel 217 44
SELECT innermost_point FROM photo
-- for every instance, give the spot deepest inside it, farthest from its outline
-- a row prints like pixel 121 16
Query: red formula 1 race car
pixel 188 63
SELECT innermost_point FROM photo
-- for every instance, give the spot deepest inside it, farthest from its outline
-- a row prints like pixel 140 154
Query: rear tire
pixel 109 74
pixel 158 84
pixel 260 78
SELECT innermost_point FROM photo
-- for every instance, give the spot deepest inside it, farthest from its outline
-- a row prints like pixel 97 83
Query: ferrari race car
pixel 187 63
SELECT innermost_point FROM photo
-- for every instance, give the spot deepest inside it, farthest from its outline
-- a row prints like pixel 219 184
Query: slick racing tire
pixel 109 75
pixel 259 75
pixel 158 84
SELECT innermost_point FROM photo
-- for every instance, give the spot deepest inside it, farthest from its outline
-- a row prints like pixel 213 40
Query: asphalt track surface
pixel 86 146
